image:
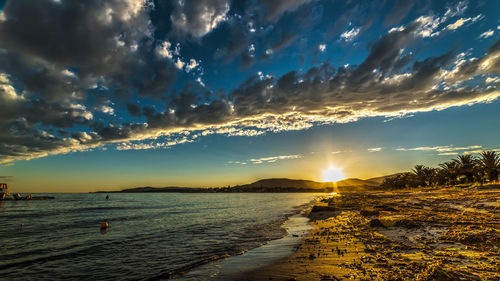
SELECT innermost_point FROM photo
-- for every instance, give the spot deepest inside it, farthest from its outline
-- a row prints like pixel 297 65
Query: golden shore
pixel 431 234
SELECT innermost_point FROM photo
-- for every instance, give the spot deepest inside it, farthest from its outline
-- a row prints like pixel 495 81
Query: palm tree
pixel 449 171
pixel 490 164
pixel 425 176
pixel 467 165
pixel 419 173
pixel 399 181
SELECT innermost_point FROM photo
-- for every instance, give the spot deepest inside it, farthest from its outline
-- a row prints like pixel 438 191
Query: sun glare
pixel 332 174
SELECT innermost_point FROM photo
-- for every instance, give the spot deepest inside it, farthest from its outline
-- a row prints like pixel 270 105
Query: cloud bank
pixel 111 82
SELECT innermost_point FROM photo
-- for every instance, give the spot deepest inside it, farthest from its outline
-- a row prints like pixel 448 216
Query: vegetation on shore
pixel 465 169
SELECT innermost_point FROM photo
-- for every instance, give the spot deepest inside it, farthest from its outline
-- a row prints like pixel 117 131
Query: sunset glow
pixel 332 174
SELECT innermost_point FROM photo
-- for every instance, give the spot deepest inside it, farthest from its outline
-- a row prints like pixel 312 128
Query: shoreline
pixel 432 234
pixel 296 227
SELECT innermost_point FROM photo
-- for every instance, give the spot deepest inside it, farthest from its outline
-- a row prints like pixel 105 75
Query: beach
pixel 425 234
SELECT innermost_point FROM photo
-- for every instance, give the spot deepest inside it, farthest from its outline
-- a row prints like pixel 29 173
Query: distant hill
pixel 272 185
pixel 380 180
pixel 157 189
pixel 355 182
pixel 284 184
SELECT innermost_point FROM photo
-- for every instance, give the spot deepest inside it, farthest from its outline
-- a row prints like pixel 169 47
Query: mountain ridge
pixel 270 185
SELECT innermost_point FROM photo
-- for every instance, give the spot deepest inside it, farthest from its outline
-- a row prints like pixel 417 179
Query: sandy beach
pixel 431 234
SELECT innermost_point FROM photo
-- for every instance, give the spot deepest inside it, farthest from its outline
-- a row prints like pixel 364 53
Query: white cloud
pixel 200 81
pixel 152 145
pixel 491 80
pixel 272 159
pixel 428 25
pixel 107 109
pixel 191 65
pixel 448 153
pixel 322 47
pixel 479 151
pixel 487 34
pixel 251 48
pixel 251 27
pixel 340 151
pixel 349 35
pixel 375 149
pixel 440 148
pixel 7 91
pixel 179 64
pixel 457 24
pixel 68 73
pixel 163 50
pixel 456 10
pixel 269 159
pixel 198 18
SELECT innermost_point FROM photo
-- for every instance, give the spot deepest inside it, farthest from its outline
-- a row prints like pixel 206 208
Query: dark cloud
pixel 198 17
pixel 358 15
pixel 237 43
pixel 398 12
pixel 93 35
pixel 286 40
pixel 383 54
pixel 274 9
pixel 52 100
pixel 134 109
pixel 246 60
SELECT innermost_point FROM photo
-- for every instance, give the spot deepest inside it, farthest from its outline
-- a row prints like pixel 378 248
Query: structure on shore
pixel 5 195
pixel 4 190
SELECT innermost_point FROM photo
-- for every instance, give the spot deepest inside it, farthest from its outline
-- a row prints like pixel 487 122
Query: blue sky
pixel 112 94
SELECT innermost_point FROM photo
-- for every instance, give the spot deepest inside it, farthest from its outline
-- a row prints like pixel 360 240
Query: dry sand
pixel 432 234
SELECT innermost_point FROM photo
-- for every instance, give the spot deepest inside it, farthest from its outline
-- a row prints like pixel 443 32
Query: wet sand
pixel 431 234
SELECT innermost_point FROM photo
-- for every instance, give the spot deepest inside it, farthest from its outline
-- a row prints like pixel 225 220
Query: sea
pixel 151 236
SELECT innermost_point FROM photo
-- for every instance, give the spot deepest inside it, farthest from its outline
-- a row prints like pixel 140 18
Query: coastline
pixel 295 227
pixel 433 234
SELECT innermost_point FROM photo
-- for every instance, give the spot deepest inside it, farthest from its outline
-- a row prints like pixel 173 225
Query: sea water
pixel 150 235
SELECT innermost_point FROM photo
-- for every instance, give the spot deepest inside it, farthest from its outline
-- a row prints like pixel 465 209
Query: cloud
pixel 191 65
pixel 349 35
pixel 179 64
pixel 460 22
pixel 54 92
pixel 269 159
pixel 163 50
pixel 274 9
pixel 457 9
pixel 398 12
pixel 487 34
pixel 446 150
pixel 322 47
pixel 479 151
pixel 286 40
pixel 198 17
pixel 375 149
pixel 492 80
pixel 340 151
pixel 442 149
pixel 448 153
pixel 153 144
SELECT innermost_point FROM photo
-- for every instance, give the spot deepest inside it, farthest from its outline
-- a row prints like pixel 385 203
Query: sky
pixel 109 94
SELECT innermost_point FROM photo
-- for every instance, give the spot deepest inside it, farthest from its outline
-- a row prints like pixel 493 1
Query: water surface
pixel 150 234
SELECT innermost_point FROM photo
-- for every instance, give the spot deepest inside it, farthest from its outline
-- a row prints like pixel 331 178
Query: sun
pixel 332 174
